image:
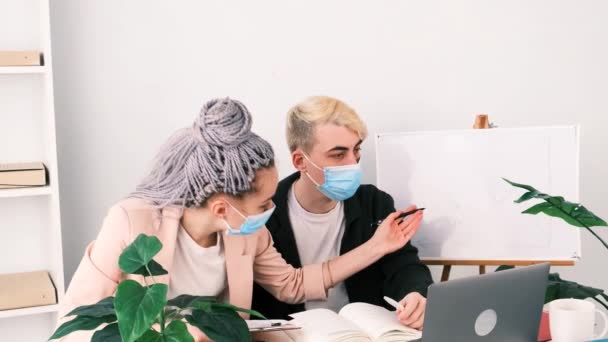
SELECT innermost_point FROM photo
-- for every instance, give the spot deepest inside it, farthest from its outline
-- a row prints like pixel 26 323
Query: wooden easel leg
pixel 482 269
pixel 445 275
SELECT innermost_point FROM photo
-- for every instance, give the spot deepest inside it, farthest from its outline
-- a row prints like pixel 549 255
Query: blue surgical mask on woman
pixel 252 223
pixel 341 182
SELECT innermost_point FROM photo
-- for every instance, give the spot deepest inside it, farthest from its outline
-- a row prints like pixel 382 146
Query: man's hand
pixel 394 233
pixel 413 315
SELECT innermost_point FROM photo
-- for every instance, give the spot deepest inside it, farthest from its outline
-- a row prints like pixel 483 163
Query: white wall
pixel 130 72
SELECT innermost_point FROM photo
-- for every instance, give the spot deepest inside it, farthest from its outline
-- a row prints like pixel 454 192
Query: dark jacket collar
pixel 352 206
pixel 282 230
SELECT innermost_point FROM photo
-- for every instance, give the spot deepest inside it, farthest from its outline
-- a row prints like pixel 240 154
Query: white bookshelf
pixel 26 192
pixel 29 311
pixel 30 224
pixel 23 70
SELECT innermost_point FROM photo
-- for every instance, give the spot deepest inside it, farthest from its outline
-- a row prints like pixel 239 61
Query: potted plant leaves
pixel 142 313
pixel 575 215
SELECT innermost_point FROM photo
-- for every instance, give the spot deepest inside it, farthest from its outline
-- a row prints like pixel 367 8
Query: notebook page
pixel 301 336
pixel 376 321
pixel 325 325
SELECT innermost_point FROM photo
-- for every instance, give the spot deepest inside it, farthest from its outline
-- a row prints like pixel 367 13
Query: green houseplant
pixel 143 313
pixel 576 215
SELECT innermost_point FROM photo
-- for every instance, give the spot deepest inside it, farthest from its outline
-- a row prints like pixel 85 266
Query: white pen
pixel 394 303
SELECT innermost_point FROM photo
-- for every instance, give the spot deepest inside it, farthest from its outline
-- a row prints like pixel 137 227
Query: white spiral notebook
pixel 356 322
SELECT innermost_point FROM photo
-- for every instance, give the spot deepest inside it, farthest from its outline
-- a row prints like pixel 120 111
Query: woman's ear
pixel 218 208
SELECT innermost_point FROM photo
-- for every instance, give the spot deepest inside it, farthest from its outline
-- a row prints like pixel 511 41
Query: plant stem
pixel 162 312
pixel 601 303
pixel 597 236
pixel 151 276
pixel 162 321
pixel 581 223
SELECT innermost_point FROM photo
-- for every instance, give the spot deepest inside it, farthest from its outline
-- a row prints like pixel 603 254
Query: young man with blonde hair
pixel 322 211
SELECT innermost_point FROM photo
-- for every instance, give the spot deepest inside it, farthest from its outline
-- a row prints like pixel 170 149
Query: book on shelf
pixel 20 58
pixel 28 289
pixel 22 175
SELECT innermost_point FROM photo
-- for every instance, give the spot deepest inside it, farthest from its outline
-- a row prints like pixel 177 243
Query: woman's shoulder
pixel 135 206
pixel 143 214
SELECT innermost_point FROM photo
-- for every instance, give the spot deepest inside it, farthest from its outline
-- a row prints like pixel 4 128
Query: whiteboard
pixel 470 215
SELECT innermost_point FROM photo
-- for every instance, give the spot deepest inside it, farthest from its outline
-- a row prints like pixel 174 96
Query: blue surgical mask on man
pixel 341 182
pixel 252 223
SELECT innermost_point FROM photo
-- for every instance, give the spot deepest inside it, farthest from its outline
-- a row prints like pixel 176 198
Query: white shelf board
pixel 26 192
pixel 29 311
pixel 23 70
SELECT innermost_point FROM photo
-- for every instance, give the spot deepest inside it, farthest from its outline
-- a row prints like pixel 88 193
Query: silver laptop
pixel 501 306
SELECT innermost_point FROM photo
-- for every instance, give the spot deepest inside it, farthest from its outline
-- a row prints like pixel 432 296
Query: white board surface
pixel 470 215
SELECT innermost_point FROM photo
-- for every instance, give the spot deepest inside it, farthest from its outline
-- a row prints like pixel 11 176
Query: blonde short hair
pixel 317 110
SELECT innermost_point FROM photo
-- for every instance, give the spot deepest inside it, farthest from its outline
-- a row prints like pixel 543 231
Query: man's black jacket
pixel 394 275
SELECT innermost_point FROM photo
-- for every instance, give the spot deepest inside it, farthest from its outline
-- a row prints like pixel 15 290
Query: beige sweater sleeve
pixel 286 283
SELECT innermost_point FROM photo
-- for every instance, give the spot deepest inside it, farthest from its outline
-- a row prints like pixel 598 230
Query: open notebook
pixel 355 322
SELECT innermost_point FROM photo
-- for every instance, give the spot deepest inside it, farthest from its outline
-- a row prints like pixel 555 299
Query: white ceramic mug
pixel 573 320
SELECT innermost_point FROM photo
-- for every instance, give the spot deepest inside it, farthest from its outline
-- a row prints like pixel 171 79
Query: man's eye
pixel 338 156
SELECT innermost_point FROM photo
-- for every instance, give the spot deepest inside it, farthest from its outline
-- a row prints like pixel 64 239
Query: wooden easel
pixel 482 121
pixel 447 264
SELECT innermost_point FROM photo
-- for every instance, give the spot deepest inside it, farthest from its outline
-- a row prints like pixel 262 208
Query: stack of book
pixel 23 290
pixel 22 175
pixel 20 58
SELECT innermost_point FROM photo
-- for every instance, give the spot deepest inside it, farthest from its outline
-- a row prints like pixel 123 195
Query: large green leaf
pixel 81 323
pixel 139 253
pixel 104 307
pixel 186 301
pixel 172 314
pixel 574 214
pixel 210 306
pixel 517 185
pixel 558 288
pixel 220 324
pixel 151 336
pixel 538 208
pixel 155 268
pixel 528 196
pixel 554 211
pixel 177 331
pixel 504 268
pixel 108 334
pixel 137 307
pixel 236 308
pixel 588 218
pixel 556 206
pixel 552 292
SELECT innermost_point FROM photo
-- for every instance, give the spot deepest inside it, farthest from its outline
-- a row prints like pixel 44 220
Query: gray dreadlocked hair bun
pixel 218 154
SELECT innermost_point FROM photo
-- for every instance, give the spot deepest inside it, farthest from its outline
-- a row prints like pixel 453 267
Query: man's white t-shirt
pixel 319 237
